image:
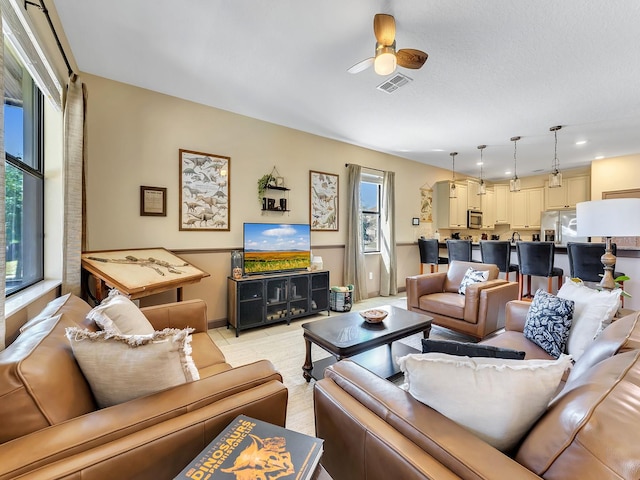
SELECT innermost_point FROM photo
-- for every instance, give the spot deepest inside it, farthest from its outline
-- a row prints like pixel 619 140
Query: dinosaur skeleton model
pixel 152 263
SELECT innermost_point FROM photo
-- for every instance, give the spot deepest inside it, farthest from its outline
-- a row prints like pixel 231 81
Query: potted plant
pixel 263 181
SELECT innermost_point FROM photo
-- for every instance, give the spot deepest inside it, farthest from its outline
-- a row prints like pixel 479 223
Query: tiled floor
pixel 283 345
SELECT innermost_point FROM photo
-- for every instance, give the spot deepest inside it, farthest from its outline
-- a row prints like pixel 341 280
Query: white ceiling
pixel 496 69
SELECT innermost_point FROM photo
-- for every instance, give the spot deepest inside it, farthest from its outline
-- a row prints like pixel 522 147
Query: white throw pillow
pixel 472 276
pixel 119 315
pixel 120 368
pixel 593 311
pixel 496 399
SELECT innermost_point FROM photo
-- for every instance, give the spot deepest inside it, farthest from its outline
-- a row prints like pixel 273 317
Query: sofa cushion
pixel 472 276
pixel 50 310
pixel 119 315
pixel 447 304
pixel 591 429
pixel 40 377
pixel 594 310
pixel 123 367
pixel 548 322
pixel 516 341
pixel 496 399
pixel 464 349
pixel 622 335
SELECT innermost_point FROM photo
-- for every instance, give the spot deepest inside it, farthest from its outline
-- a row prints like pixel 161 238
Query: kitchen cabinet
pixel 451 212
pixel 488 207
pixel 474 201
pixel 502 203
pixel 572 191
pixel 526 206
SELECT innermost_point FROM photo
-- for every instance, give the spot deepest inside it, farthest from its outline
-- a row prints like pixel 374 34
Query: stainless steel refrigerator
pixel 560 226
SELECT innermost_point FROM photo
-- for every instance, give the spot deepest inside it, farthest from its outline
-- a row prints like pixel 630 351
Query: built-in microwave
pixel 474 219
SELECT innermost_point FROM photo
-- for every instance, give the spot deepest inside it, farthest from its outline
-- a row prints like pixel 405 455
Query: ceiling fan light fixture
pixel 385 62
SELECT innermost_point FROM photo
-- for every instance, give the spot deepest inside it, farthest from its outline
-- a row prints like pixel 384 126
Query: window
pixel 370 198
pixel 24 179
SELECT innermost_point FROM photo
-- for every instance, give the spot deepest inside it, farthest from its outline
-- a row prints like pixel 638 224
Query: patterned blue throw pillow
pixel 472 276
pixel 548 322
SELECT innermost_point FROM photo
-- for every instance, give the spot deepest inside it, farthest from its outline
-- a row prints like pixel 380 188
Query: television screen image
pixel 272 247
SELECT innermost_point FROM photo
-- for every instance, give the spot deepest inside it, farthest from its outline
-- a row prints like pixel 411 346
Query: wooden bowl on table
pixel 374 315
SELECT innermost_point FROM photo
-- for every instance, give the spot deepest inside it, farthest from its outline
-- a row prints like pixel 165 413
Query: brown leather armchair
pixel 478 313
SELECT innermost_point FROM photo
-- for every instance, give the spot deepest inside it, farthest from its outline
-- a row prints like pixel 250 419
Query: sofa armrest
pixel 419 285
pixel 516 315
pixel 472 297
pixel 190 313
pixel 115 423
pixel 442 439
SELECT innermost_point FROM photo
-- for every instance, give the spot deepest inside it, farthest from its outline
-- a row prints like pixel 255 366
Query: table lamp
pixel 615 217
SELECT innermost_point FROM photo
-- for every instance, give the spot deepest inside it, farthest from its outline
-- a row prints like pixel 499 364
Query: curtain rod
pixel 41 6
pixel 370 168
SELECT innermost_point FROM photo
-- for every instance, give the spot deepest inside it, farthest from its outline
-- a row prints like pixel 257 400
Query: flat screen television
pixel 273 247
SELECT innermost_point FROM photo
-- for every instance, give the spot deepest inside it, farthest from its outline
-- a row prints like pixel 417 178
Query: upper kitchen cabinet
pixel 526 206
pixel 502 203
pixel 572 191
pixel 488 207
pixel 474 201
pixel 451 212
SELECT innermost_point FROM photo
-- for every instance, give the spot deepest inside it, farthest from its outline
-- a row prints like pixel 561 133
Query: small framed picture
pixel 153 201
pixel 279 181
pixel 415 221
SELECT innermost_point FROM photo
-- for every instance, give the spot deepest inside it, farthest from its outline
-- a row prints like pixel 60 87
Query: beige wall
pixel 133 139
pixel 616 173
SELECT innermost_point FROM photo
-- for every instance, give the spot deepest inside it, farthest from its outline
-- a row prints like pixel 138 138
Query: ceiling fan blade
pixel 360 66
pixel 411 58
pixel 384 26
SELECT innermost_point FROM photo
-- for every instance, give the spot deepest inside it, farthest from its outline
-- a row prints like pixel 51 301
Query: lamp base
pixel 608 260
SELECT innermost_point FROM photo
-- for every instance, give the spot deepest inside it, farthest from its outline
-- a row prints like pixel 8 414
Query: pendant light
pixel 555 177
pixel 482 189
pixel 453 193
pixel 514 183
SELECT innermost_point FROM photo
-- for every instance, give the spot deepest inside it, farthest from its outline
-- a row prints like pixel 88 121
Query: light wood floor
pixel 283 345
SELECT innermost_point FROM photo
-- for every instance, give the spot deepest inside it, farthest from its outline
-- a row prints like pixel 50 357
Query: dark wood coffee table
pixel 374 346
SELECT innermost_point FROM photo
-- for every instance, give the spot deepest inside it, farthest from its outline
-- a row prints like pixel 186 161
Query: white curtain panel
pixel 354 265
pixel 74 136
pixel 388 258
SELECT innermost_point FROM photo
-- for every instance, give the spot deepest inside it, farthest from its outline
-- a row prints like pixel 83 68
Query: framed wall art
pixel 153 201
pixel 205 198
pixel 323 201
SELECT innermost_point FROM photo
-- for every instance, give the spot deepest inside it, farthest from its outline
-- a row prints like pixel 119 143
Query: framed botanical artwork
pixel 323 201
pixel 205 198
pixel 426 205
pixel 153 201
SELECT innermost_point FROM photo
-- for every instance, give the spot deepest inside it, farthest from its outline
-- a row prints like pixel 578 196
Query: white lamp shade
pixel 385 62
pixel 616 217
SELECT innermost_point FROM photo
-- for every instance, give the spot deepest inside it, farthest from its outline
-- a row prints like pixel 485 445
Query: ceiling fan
pixel 386 58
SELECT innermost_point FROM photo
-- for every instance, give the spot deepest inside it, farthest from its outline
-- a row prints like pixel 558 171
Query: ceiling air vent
pixel 394 83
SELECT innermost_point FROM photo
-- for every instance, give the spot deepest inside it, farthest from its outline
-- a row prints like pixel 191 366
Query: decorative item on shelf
pixel 263 182
pixel 615 217
pixel 374 315
pixel 555 177
pixel 271 203
pixel 482 189
pixel 514 183
pixel 236 264
pixel 452 186
pixel 283 204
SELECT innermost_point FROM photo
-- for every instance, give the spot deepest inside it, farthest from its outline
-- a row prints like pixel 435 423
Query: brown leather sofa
pixel 50 426
pixel 374 430
pixel 477 313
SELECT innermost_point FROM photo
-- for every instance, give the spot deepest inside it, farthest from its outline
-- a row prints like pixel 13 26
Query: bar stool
pixel 536 259
pixel 585 264
pixel 429 250
pixel 498 253
pixel 459 250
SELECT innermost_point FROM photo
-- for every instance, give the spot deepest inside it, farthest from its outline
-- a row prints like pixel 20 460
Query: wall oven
pixel 474 219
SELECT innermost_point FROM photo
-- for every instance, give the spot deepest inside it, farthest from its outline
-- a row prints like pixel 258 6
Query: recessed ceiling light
pixel 581 142
pixel 508 172
pixel 437 150
pixel 599 157
pixel 480 163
